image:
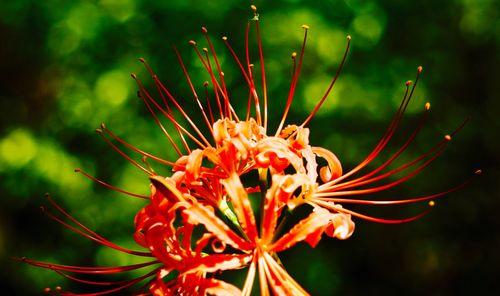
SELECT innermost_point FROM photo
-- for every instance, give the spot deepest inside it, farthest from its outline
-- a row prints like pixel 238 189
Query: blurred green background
pixel 65 68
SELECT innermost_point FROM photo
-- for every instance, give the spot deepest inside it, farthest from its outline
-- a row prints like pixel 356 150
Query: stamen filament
pixel 195 95
pixel 341 66
pixel 142 152
pixel 221 74
pixel 386 186
pixel 385 138
pixel 397 202
pixel 371 218
pixel 248 80
pixel 86 232
pixel 170 116
pixel 294 82
pixel 135 163
pixel 110 186
pixel 262 66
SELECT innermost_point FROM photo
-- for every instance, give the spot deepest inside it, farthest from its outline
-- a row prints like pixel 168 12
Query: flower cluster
pixel 230 194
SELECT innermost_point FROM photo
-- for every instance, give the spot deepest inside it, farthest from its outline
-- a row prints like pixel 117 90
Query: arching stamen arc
pixel 158 122
pixel 176 104
pixel 247 79
pixel 262 67
pixel 219 69
pixel 228 109
pixel 401 201
pixel 359 182
pixel 371 218
pixel 92 235
pixel 142 152
pixel 191 86
pixel 403 167
pixel 88 269
pixel 209 106
pixel 293 83
pixel 123 154
pixel 397 154
pixel 168 115
pixel 325 96
pixel 388 185
pixel 123 285
pixel 385 138
pixel 111 187
pixel 144 95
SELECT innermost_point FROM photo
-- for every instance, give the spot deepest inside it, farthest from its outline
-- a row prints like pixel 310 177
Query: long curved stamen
pixel 108 186
pixel 247 53
pixel 247 79
pixel 387 135
pixel 155 118
pixel 215 84
pixel 89 269
pixel 262 64
pixel 142 152
pixel 294 82
pixel 388 185
pixel 123 154
pixel 400 201
pixel 191 86
pixel 207 99
pixel 399 152
pixel 228 109
pixel 88 282
pixel 122 284
pixel 85 231
pixel 176 104
pixel 154 76
pixel 170 116
pixel 362 181
pixel 340 186
pixel 341 66
pixel 371 218
pixel 146 98
pixel 167 106
pixel 219 69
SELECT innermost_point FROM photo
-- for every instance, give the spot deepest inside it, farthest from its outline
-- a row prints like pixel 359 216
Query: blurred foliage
pixel 65 68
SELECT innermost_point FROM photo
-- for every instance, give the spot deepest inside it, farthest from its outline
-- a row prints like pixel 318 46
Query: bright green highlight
pixel 113 88
pixel 17 148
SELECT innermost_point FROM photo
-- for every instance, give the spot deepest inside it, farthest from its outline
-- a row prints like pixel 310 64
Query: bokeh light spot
pixel 62 40
pixel 54 165
pixel 369 27
pixel 314 91
pixel 121 10
pixel 17 148
pixel 83 20
pixel 113 88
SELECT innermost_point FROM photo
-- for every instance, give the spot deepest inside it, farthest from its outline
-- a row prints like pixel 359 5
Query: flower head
pixel 201 220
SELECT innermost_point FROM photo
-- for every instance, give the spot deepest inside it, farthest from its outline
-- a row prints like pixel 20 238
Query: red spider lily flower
pixel 200 222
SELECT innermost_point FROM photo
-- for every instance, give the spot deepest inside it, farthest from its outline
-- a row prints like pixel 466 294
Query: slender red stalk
pixel 295 78
pixel 111 187
pixel 219 69
pixel 262 64
pixel 341 66
pixel 247 79
pixel 195 95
